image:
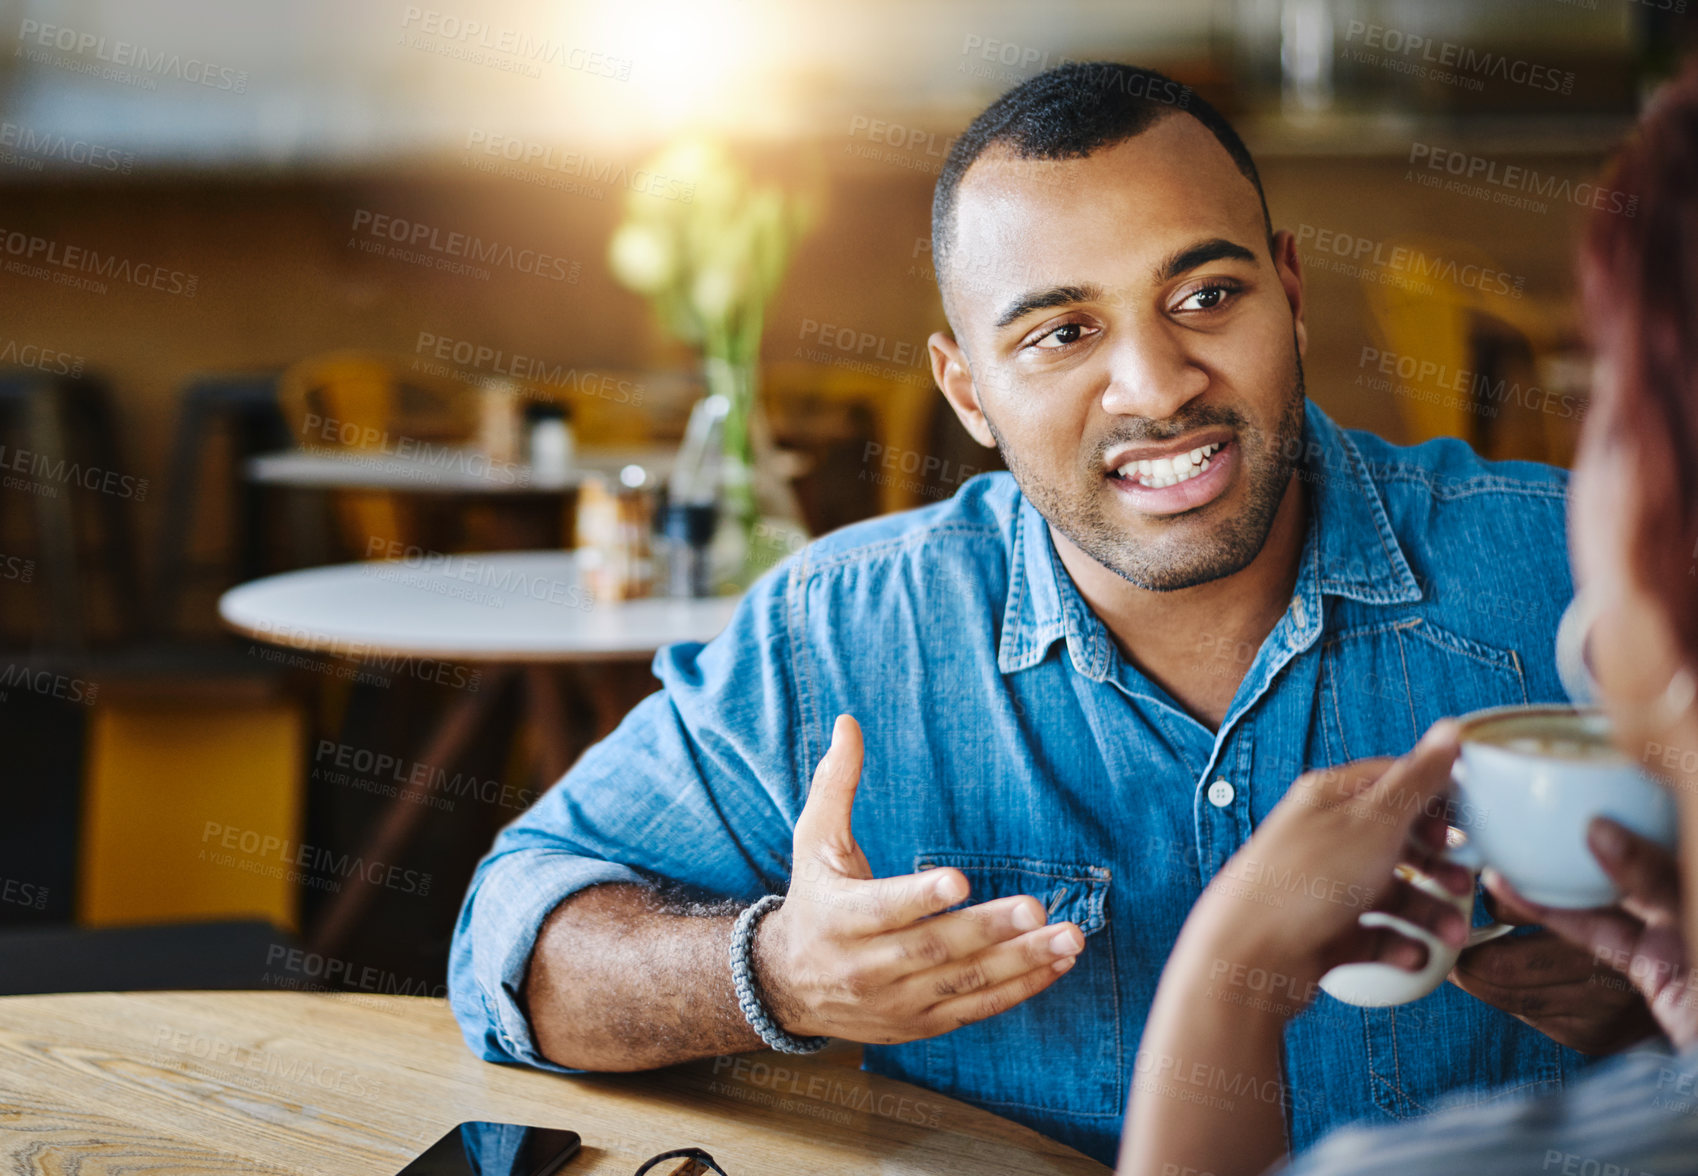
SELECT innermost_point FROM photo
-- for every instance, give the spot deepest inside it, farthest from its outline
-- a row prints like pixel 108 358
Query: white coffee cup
pixel 1529 780
pixel 1376 985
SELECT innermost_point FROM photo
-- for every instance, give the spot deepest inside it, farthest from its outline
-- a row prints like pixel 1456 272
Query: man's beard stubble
pixel 1268 463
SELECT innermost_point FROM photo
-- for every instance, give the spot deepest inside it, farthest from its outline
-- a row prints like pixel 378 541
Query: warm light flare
pixel 697 64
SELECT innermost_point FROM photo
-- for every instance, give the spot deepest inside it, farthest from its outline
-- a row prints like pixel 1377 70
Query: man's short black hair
pixel 1069 112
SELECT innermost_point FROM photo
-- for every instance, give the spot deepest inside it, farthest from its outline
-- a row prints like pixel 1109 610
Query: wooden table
pixel 296 1084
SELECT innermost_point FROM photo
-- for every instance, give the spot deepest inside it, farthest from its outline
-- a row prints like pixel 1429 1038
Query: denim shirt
pixel 1007 736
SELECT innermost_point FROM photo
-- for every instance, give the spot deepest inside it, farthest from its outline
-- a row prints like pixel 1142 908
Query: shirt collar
pixel 1350 551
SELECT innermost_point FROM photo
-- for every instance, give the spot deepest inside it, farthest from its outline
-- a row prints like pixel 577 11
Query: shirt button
pixel 1221 793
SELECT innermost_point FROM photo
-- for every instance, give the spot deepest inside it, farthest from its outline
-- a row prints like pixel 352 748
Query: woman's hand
pixel 1289 901
pixel 1641 937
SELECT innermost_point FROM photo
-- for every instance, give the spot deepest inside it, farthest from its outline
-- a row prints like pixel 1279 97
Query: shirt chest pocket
pixel 1061 1050
pixel 1382 687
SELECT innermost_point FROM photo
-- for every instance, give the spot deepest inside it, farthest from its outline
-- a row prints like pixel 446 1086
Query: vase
pixel 759 522
pixel 736 382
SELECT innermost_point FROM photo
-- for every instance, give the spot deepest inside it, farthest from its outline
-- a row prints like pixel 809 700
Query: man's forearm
pixel 618 981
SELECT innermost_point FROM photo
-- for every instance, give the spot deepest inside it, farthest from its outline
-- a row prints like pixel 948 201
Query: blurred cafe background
pixel 382 384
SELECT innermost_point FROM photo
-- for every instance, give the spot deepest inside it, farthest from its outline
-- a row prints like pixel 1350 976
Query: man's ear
pixel 950 370
pixel 1290 269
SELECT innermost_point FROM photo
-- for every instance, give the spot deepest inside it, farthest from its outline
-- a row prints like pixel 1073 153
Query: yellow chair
pixel 1429 326
pixel 614 407
pixel 901 412
pixel 192 803
pixel 352 400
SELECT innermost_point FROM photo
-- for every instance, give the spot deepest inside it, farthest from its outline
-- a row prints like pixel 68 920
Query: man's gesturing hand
pixel 870 959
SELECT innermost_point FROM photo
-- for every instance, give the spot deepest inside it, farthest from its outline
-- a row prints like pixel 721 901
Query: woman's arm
pixel 1208 1095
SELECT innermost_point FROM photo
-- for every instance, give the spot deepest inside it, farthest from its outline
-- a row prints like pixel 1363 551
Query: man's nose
pixel 1151 375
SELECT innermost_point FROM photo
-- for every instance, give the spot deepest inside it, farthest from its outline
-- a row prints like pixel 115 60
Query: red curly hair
pixel 1639 296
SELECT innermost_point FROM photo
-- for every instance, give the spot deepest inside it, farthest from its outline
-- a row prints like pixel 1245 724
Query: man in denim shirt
pixel 1074 688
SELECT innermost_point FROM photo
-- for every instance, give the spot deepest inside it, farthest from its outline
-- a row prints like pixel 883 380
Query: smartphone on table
pixel 482 1148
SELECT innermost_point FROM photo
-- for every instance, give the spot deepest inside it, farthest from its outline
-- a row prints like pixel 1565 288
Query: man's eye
pixel 1062 336
pixel 1211 297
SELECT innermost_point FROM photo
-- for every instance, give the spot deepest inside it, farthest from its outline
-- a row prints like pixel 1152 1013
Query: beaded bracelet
pixel 743 979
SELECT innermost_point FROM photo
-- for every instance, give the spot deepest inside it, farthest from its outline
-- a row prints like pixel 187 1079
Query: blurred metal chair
pixel 70 453
pixel 245 404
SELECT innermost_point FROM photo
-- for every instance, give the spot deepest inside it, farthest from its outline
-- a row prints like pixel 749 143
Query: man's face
pixel 1118 314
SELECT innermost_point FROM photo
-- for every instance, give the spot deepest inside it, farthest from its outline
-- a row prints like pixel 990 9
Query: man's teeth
pixel 1165 471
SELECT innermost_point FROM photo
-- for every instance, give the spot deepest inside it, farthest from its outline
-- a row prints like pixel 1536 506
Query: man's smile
pixel 1165 471
pixel 1175 479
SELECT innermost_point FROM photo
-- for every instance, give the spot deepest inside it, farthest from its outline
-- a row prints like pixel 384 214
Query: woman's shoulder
pixel 1634 1116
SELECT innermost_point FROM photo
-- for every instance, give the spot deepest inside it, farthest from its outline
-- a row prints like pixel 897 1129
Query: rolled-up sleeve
pixel 698 789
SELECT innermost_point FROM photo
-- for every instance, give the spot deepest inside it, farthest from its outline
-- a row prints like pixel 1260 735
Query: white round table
pixel 508 610
pixel 457 469
pixel 508 607
pixel 462 469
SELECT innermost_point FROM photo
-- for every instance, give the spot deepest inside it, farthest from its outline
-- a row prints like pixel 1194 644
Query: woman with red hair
pixel 1633 526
